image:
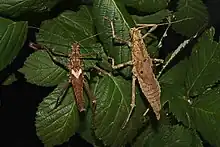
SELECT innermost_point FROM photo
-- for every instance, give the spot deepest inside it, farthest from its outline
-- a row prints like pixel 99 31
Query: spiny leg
pixel 133 99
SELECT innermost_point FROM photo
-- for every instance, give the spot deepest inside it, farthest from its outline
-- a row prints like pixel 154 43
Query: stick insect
pixel 142 70
pixel 76 77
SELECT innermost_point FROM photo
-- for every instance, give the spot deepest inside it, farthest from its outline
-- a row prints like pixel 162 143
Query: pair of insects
pixel 142 71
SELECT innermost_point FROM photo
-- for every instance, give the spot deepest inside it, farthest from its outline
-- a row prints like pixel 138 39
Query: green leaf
pixel 55 125
pixel 10 79
pixel 192 76
pixel 148 6
pixel 168 136
pixel 107 11
pixel 173 91
pixel 187 88
pixel 59 34
pixel 205 116
pixel 202 72
pixel 85 129
pixel 12 38
pixel 94 54
pixel 39 69
pixel 113 96
pixel 13 8
pixel 71 27
pixel 194 9
pixel 153 18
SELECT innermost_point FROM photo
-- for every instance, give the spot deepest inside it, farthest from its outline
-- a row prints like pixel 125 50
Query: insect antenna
pixel 161 24
pixel 50 33
pixel 63 38
pixel 68 41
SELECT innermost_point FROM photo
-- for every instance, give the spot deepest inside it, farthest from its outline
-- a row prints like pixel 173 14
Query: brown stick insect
pixel 142 68
pixel 76 77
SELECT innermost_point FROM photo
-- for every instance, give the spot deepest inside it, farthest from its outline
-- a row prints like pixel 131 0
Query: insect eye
pixel 141 71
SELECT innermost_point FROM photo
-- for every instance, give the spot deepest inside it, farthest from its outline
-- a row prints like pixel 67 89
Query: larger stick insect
pixel 142 69
pixel 75 68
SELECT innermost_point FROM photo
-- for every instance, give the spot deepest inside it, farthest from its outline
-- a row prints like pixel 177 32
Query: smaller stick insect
pixel 142 69
pixel 76 77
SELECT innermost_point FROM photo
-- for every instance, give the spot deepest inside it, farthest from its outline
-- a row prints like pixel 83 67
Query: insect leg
pixel 90 95
pixel 154 26
pixel 129 63
pixel 62 94
pixel 85 56
pixel 89 54
pixel 145 113
pixel 151 30
pixel 101 71
pixel 133 99
pixel 114 36
pixel 157 62
pixel 40 47
pixel 50 53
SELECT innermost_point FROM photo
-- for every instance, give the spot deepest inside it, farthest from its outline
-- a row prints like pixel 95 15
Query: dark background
pixel 19 101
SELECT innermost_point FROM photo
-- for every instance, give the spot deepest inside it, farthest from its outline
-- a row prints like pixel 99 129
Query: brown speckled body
pixel 76 75
pixel 142 69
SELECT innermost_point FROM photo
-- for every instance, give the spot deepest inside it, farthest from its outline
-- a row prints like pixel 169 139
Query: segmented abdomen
pixel 149 85
pixel 152 93
pixel 77 84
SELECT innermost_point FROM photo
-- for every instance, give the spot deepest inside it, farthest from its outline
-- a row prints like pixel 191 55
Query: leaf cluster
pixel 189 79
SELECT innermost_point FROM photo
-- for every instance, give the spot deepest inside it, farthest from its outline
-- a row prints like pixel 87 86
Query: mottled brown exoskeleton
pixel 142 67
pixel 76 77
pixel 142 71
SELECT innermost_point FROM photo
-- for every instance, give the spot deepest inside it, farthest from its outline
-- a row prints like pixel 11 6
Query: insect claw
pixel 82 110
pixel 145 113
pixel 129 115
pixel 54 58
pixel 94 102
pixel 158 62
pixel 93 105
pixel 35 46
